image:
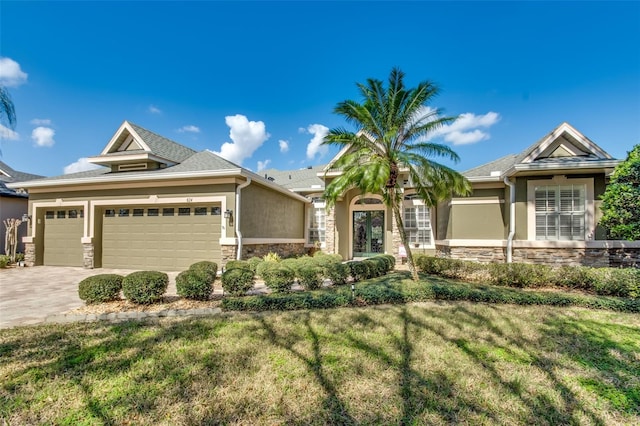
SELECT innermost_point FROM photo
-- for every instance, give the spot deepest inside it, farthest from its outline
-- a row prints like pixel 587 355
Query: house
pixel 156 204
pixel 13 204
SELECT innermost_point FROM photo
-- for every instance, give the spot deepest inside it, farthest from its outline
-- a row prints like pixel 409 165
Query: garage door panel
pixel 160 242
pixel 62 238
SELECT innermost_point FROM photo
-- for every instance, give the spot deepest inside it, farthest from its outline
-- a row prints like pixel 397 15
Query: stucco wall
pixel 485 218
pixel 13 208
pixel 266 213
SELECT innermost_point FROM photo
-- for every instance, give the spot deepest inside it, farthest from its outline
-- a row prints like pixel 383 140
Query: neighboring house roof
pixel 299 180
pixel 8 175
pixel 563 148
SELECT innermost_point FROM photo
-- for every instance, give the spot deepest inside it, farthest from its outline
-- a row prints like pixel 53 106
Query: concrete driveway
pixel 29 295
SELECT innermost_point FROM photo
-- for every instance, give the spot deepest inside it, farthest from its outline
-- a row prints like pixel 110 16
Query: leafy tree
pixel 7 111
pixel 621 200
pixel 392 125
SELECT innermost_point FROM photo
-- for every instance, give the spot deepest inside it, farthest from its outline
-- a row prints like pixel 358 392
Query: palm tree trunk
pixel 397 214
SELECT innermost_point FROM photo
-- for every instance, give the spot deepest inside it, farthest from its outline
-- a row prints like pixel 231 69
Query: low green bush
pixel 145 287
pixel 262 267
pixel 194 284
pixel 100 288
pixel 254 262
pixel 4 260
pixel 288 302
pixel 338 273
pixel 616 282
pixel 237 281
pixel 358 270
pixel 234 264
pixel 310 277
pixel 522 275
pixel 279 278
pixel 206 268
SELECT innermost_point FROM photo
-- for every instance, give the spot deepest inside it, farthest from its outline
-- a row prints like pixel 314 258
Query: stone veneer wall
pixel 87 255
pixel 594 257
pixel 259 250
pixel 29 254
pixel 330 231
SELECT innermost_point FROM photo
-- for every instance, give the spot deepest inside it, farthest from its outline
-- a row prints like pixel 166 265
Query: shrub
pixel 4 260
pixel 358 270
pixel 208 269
pixel 100 288
pixel 572 277
pixel 279 278
pixel 237 281
pixel 264 266
pixel 389 260
pixel 271 257
pixel 194 284
pixel 254 262
pixel 616 282
pixel 310 277
pixel 337 273
pixel 235 264
pixel 145 287
pixel 520 274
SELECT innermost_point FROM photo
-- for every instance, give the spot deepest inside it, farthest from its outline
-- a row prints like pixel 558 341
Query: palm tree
pixel 7 112
pixel 392 125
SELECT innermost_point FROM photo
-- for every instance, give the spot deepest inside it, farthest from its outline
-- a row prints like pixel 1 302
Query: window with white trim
pixel 560 212
pixel 417 222
pixel 317 222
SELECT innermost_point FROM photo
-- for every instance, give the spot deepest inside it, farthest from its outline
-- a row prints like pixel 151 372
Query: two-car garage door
pixel 160 237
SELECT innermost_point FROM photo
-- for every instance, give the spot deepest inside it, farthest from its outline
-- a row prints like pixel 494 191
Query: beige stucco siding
pixel 266 213
pixel 480 216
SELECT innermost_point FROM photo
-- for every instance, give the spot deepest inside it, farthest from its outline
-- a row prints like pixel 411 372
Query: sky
pixel 257 82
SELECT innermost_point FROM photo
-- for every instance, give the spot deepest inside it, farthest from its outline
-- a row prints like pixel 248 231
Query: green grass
pixel 422 363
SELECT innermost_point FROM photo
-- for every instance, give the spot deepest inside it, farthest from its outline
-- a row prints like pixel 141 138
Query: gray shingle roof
pixel 299 179
pixel 500 165
pixel 163 147
pixel 8 175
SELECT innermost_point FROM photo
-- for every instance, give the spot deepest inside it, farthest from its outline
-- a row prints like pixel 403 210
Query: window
pixel 317 222
pixel 216 211
pixel 61 214
pixel 167 211
pixel 417 222
pixel 49 214
pixel 200 211
pixel 138 212
pixel 560 212
pixel 152 212
pixel 109 213
pixel 73 214
pixel 184 211
pixel 123 212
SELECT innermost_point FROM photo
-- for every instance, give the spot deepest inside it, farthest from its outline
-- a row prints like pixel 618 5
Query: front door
pixel 368 233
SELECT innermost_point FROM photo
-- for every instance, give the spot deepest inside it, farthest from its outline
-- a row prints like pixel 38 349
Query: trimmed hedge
pixel 603 281
pixel 100 288
pixel 208 269
pixel 145 287
pixel 310 277
pixel 254 262
pixel 234 264
pixel 237 281
pixel 358 270
pixel 338 273
pixel 402 291
pixel 195 284
pixel 264 266
pixel 279 278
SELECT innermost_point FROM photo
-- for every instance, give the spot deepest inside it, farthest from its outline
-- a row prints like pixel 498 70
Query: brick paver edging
pixel 130 315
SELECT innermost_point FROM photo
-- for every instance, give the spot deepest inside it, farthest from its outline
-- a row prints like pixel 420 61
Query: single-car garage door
pixel 63 230
pixel 165 238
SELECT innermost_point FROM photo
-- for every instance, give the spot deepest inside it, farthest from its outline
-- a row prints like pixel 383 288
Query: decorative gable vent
pixel 130 167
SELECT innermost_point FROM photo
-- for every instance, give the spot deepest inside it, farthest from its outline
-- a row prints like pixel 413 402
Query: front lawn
pixel 421 363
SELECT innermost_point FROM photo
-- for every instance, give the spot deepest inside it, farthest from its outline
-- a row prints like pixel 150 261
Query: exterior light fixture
pixel 26 217
pixel 228 214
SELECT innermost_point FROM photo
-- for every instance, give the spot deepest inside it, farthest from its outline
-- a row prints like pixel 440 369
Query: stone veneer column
pixel 330 231
pixel 87 255
pixel 228 253
pixel 29 254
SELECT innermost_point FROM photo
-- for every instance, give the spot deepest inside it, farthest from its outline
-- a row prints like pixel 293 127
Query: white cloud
pixel 81 165
pixel 190 129
pixel 465 130
pixel 154 109
pixel 315 146
pixel 284 145
pixel 6 133
pixel 41 122
pixel 43 136
pixel 246 137
pixel 10 73
pixel 263 165
pixel 302 130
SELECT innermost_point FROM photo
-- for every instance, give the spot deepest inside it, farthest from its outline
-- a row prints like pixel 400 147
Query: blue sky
pixel 263 77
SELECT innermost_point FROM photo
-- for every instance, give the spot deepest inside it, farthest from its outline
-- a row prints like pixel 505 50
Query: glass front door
pixel 368 233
